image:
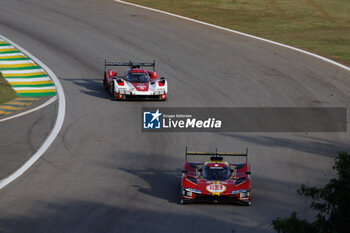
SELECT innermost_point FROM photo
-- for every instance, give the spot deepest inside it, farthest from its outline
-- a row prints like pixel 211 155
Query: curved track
pixel 103 175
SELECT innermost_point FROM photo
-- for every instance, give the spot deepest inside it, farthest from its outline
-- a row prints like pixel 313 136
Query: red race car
pixel 216 180
pixel 136 82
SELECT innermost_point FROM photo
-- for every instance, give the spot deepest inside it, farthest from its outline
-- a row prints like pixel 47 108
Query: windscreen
pixel 137 77
pixel 216 173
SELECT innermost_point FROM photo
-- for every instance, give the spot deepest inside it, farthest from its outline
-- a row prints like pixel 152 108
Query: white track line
pixel 16 62
pixel 33 88
pixel 11 54
pixel 58 125
pixel 240 33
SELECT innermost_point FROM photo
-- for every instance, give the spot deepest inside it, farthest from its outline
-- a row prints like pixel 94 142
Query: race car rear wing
pixel 216 155
pixel 131 64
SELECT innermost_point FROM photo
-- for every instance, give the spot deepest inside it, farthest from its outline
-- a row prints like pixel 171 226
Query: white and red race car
pixel 135 83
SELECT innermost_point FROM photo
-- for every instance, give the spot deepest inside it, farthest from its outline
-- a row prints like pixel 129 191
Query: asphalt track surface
pixel 102 174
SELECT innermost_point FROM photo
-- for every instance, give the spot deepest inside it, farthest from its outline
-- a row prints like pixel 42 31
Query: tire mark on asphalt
pixel 274 5
pixel 65 133
pixel 324 13
pixel 30 134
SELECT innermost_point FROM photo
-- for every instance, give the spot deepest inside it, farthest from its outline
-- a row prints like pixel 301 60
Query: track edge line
pixel 239 33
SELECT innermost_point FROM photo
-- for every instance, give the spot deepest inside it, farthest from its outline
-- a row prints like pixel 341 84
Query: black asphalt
pixel 102 174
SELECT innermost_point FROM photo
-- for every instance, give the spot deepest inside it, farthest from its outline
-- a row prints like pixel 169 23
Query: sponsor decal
pixel 238 191
pixel 194 190
pixel 216 188
pixel 142 88
pixel 171 120
pixel 191 123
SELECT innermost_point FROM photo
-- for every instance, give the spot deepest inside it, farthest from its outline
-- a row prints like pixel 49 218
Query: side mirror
pixel 248 173
pixel 184 171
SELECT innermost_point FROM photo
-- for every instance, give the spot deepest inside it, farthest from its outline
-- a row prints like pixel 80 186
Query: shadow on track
pixel 164 184
pixel 122 214
pixel 91 87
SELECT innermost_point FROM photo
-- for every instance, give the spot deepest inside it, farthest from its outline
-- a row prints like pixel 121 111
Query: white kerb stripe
pixel 7 47
pixel 15 62
pixel 33 88
pixel 16 80
pixel 11 54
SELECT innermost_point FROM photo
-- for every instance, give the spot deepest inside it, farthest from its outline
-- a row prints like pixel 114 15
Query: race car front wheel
pixel 105 83
pixel 111 90
pixel 184 202
pixel 247 203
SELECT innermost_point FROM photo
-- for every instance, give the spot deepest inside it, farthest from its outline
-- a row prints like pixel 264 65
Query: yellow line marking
pixel 29 83
pixel 6 113
pixel 10 107
pixel 25 74
pixel 8 50
pixel 20 103
pixel 18 65
pixel 36 91
pixel 16 56
pixel 26 98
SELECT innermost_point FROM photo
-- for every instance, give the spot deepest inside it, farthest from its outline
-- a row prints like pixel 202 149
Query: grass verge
pixel 6 91
pixel 319 26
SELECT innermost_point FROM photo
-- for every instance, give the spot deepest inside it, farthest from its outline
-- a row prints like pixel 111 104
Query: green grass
pixel 6 91
pixel 320 26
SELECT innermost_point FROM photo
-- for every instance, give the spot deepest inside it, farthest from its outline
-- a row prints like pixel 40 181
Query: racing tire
pixel 248 203
pixel 184 202
pixel 111 90
pixel 105 83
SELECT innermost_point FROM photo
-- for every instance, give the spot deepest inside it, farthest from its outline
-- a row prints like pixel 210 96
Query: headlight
pixel 238 191
pixel 193 190
pixel 246 194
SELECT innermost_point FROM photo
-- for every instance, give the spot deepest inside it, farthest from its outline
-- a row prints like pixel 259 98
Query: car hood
pixel 140 86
